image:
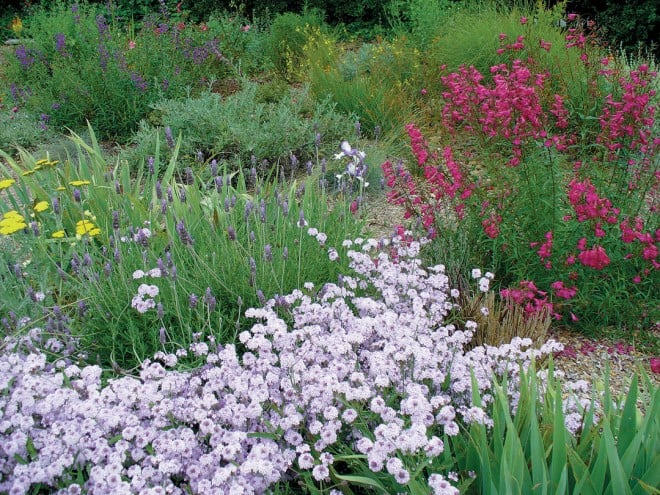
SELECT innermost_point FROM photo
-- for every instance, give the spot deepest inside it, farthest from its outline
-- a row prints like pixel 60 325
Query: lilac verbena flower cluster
pixel 371 364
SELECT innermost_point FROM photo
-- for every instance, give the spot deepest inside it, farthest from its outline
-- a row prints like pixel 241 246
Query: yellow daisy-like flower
pixel 41 206
pixel 77 183
pixel 12 222
pixel 58 234
pixel 5 183
pixel 61 188
pixel 86 227
pixel 28 172
pixel 44 162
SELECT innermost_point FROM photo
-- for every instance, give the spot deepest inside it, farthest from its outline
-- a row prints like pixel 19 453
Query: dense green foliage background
pixel 630 24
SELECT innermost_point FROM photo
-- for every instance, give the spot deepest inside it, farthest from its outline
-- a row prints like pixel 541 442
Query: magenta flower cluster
pixel 373 364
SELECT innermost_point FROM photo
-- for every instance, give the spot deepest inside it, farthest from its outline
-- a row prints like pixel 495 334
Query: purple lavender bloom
pixel 310 167
pixel 232 233
pixel 35 228
pixel 190 179
pixel 43 121
pixel 214 169
pixel 261 297
pixel 82 309
pixel 165 85
pixel 76 195
pixel 253 272
pixel 209 299
pixel 60 44
pixel 268 252
pixel 115 220
pixel 285 253
pixel 55 106
pixel 199 55
pixel 184 236
pixel 24 56
pixel 150 166
pixel 102 26
pixel 139 82
pixel 104 56
pixel 248 209
pixel 193 300
pixel 169 138
pixel 262 211
pixel 227 205
pixel 301 220
pixel 159 190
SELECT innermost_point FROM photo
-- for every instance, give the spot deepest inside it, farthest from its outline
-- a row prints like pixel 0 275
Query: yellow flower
pixel 76 183
pixel 5 183
pixel 13 215
pixel 28 172
pixel 58 234
pixel 45 162
pixel 41 206
pixel 61 188
pixel 17 26
pixel 11 223
pixel 86 227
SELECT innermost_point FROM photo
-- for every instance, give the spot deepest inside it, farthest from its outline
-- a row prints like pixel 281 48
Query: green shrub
pixel 76 64
pixel 244 125
pixel 286 40
pixel 21 128
pixel 379 82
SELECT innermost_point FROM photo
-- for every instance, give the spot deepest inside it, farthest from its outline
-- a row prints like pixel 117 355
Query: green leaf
pixel 649 480
pixel 583 484
pixel 362 481
pixel 627 423
pixel 559 439
pixel 618 481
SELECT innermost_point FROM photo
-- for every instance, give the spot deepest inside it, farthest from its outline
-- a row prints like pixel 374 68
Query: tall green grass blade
pixel 559 441
pixel 582 477
pixel 626 430
pixel 540 477
pixel 618 482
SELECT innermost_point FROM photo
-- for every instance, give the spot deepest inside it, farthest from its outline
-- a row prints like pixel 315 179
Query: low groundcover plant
pixel 362 387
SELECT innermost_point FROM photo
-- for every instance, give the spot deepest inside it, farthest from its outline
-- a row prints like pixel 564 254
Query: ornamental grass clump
pixel 360 384
pixel 564 210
